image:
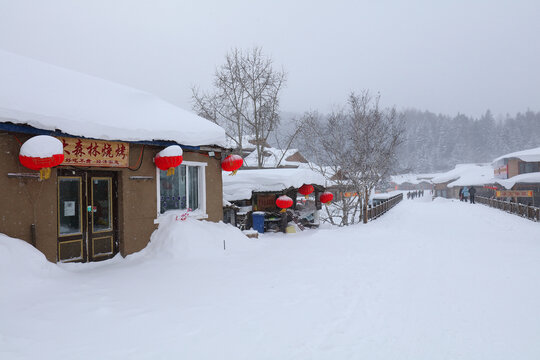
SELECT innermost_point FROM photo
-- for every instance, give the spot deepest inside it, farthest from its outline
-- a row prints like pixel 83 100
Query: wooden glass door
pixel 87 208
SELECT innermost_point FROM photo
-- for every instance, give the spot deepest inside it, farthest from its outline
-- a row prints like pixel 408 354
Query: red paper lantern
pixel 169 158
pixel 232 163
pixel 41 153
pixel 284 202
pixel 306 190
pixel 326 197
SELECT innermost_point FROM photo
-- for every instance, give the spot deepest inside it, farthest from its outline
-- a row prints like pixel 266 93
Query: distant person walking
pixel 465 193
pixel 461 194
pixel 472 192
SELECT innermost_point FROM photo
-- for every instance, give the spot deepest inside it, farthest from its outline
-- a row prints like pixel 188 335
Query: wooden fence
pixel 529 212
pixel 376 211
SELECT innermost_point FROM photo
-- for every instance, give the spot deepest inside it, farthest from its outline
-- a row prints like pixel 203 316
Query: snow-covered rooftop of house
pixel 50 97
pixel 240 186
pixel 245 142
pixel 528 178
pixel 272 160
pixel 411 178
pixel 467 175
pixel 525 155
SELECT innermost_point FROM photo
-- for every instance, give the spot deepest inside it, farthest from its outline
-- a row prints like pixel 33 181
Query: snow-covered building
pixel 447 184
pixel 411 181
pixel 519 171
pixel 273 158
pixel 107 196
pixel 258 189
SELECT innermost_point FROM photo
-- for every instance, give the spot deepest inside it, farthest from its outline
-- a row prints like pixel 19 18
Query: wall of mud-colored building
pixel 26 201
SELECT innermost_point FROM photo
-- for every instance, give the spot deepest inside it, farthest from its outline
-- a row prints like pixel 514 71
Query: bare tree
pixel 357 146
pixel 245 98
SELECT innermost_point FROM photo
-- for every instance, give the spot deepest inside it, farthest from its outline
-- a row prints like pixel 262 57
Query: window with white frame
pixel 183 190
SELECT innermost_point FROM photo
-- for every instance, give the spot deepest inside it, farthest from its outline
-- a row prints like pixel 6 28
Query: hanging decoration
pixel 169 158
pixel 326 197
pixel 232 163
pixel 306 189
pixel 284 202
pixel 41 153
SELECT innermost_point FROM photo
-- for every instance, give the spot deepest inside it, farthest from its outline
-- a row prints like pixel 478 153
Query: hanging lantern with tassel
pixel 306 189
pixel 326 197
pixel 41 153
pixel 284 202
pixel 169 158
pixel 232 163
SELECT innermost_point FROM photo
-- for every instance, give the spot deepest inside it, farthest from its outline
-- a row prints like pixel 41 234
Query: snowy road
pixel 429 280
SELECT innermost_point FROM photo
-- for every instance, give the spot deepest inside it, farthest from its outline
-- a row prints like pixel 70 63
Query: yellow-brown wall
pixel 27 201
pixel 513 167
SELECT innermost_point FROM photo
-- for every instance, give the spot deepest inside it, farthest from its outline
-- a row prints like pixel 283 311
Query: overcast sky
pixel 447 57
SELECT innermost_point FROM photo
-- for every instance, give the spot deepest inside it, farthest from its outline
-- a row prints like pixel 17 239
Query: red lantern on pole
pixel 41 153
pixel 169 158
pixel 232 163
pixel 306 189
pixel 284 202
pixel 326 197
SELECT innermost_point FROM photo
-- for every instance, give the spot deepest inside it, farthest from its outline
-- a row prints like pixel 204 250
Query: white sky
pixel 457 56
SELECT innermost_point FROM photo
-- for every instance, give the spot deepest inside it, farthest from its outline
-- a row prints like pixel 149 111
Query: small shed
pixel 257 190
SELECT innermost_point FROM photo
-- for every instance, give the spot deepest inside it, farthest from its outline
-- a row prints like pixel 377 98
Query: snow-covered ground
pixel 428 280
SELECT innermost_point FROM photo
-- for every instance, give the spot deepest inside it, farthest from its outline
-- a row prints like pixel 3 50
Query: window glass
pixel 69 195
pixel 193 187
pixel 101 204
pixel 172 189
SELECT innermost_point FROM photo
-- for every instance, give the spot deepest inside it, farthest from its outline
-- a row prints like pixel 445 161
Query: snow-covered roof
pixel 467 175
pixel 411 178
pixel 50 97
pixel 531 155
pixel 274 155
pixel 528 178
pixel 240 186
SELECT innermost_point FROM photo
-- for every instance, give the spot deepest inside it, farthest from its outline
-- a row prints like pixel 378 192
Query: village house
pixel 520 171
pixel 448 184
pixel 108 195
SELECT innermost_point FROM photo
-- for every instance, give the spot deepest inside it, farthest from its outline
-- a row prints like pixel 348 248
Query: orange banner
pixel 88 152
pixel 514 193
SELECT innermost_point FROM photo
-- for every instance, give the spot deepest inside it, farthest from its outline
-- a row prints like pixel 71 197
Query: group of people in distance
pixel 467 193
pixel 416 193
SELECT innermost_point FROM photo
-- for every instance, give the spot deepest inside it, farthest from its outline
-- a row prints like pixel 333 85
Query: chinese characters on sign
pixel 88 152
pixel 514 193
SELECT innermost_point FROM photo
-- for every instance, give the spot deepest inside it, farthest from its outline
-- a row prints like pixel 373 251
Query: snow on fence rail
pixel 529 212
pixel 376 211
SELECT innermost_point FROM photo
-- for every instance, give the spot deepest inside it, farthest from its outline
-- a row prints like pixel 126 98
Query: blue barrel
pixel 258 221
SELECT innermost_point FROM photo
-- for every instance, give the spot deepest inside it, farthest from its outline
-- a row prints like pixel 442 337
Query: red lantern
pixel 169 158
pixel 326 197
pixel 306 190
pixel 232 163
pixel 284 202
pixel 41 153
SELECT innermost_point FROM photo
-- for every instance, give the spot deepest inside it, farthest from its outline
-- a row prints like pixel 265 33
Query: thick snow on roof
pixel 529 178
pixel 411 178
pixel 240 186
pixel 467 175
pixel 274 155
pixel 50 97
pixel 530 155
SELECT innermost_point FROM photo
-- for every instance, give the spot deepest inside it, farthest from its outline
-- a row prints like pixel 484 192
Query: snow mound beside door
pixel 192 238
pixel 21 262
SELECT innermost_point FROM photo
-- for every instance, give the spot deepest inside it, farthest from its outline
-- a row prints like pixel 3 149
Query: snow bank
pixel 530 155
pixel 190 238
pixel 50 97
pixel 240 186
pixel 20 261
